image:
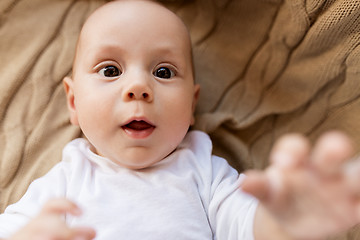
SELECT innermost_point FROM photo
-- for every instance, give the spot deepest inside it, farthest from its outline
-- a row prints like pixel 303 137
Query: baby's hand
pixel 311 193
pixel 50 224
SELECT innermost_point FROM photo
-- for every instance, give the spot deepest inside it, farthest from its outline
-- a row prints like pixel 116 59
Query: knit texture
pixel 266 68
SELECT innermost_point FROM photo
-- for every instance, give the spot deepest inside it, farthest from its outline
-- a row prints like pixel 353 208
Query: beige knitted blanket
pixel 266 67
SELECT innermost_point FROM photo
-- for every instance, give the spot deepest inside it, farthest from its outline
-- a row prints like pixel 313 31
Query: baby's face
pixel 132 92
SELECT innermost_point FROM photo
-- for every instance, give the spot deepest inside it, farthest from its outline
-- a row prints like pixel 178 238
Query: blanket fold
pixel 266 67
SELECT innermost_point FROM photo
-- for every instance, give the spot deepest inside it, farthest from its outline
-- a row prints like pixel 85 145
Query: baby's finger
pixel 290 151
pixel 60 231
pixel 256 183
pixel 352 175
pixel 61 206
pixel 330 152
pixel 83 233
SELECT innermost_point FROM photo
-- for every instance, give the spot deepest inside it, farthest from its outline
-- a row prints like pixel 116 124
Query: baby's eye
pixel 110 71
pixel 163 72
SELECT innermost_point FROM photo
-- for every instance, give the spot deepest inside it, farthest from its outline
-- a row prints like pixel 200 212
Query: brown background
pixel 266 67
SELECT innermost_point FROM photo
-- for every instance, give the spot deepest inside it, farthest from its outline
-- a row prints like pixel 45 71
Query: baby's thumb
pixel 84 233
pixel 61 206
pixel 256 184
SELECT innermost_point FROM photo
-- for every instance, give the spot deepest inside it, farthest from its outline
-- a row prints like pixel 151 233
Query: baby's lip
pixel 138 125
pixel 138 128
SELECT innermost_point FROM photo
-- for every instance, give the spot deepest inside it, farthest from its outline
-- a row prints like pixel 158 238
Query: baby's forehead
pixel 134 12
pixel 142 15
pixel 136 18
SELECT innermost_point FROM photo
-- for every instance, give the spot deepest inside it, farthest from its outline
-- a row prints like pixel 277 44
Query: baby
pixel 140 174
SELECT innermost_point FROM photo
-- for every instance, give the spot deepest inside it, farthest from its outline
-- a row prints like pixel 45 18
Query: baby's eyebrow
pixel 113 50
pixel 97 53
pixel 114 47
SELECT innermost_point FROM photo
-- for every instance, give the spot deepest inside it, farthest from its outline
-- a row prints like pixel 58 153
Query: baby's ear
pixel 70 97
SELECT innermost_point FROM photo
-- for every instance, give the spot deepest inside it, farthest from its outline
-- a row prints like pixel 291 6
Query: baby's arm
pixel 306 193
pixel 50 224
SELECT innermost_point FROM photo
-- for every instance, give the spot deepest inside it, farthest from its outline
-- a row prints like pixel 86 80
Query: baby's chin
pixel 137 158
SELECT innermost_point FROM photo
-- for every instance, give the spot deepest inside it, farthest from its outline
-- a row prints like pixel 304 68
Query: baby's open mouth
pixel 138 129
pixel 138 125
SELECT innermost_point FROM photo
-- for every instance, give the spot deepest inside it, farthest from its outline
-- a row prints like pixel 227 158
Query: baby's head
pixel 132 91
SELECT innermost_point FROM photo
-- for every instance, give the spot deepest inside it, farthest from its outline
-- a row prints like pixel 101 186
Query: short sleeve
pixel 231 211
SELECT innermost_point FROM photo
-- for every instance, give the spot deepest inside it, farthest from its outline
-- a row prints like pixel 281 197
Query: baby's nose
pixel 138 91
pixel 138 96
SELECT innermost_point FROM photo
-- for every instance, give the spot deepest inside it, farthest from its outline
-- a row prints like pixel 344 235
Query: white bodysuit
pixel 191 194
